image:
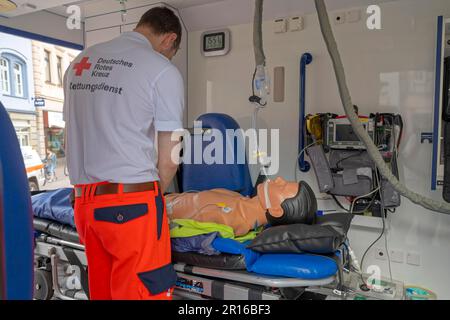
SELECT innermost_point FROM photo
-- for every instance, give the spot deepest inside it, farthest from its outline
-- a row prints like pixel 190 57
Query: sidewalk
pixel 62 181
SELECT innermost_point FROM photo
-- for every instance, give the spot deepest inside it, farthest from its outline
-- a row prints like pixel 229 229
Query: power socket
pixel 280 26
pixel 380 254
pixel 413 259
pixel 397 256
pixel 339 18
pixel 296 24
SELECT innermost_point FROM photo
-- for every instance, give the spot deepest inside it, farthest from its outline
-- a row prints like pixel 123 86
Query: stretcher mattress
pixel 235 256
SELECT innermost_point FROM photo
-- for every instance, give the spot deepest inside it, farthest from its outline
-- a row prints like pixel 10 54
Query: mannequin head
pixel 287 202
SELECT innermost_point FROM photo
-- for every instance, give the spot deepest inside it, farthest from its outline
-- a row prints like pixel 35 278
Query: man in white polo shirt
pixel 123 100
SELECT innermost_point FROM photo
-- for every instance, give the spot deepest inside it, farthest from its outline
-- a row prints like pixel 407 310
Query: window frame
pixel 19 75
pixel 24 136
pixel 3 70
pixel 59 69
pixel 48 66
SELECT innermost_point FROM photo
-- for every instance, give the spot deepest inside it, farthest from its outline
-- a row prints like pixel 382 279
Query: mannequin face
pixel 278 191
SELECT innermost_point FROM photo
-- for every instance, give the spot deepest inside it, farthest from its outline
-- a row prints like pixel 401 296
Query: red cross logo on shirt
pixel 83 65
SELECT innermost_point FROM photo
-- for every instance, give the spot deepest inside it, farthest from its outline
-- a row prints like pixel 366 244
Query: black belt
pixel 113 188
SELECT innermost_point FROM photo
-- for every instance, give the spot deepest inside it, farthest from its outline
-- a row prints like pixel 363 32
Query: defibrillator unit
pixel 340 134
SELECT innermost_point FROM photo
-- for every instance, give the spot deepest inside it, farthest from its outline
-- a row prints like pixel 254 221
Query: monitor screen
pixel 345 133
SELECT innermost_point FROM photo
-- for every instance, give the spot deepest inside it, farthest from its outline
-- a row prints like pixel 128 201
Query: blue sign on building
pixel 39 102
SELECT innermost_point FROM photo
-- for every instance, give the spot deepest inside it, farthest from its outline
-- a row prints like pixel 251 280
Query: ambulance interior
pixel 394 54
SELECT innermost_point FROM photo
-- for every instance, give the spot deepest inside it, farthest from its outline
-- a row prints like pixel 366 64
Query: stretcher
pixel 61 272
pixel 61 266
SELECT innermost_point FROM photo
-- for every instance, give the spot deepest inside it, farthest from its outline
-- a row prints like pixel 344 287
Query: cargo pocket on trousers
pixel 159 201
pixel 121 214
pixel 159 280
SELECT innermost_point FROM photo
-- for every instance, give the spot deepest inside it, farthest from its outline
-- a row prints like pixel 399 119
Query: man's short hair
pixel 162 20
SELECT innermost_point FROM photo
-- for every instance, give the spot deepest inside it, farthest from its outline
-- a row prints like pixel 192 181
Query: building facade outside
pixel 17 87
pixel 49 65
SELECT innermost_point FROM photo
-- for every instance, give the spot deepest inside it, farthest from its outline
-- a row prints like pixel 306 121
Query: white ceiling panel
pixel 91 8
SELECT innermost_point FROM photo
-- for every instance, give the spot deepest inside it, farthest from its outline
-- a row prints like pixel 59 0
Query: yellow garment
pixel 184 228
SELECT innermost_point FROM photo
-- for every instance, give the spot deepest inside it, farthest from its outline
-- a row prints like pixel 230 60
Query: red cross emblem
pixel 83 65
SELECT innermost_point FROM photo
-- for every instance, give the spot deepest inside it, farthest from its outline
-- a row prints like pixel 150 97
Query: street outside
pixel 62 180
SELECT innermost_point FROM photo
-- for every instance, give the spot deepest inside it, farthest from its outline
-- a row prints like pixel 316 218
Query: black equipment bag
pixel 446 91
pixel 446 192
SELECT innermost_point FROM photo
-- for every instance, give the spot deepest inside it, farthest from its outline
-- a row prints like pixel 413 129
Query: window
pixel 4 76
pixel 23 135
pixel 13 76
pixel 59 67
pixel 18 80
pixel 48 73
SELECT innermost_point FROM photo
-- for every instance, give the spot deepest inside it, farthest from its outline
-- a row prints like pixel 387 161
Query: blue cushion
pixel 300 266
pixel 231 246
pixel 234 177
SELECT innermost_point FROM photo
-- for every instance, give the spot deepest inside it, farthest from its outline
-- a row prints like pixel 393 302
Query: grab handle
pixel 303 165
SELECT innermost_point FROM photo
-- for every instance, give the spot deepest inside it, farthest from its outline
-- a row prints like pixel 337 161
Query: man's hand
pixel 169 148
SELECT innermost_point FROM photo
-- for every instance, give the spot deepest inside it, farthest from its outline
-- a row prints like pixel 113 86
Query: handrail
pixel 304 165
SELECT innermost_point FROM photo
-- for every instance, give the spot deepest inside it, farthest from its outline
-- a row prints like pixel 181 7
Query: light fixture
pixel 7 5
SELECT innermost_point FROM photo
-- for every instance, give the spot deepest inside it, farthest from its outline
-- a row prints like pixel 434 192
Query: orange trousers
pixel 127 241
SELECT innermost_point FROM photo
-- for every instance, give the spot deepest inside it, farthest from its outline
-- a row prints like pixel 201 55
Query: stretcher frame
pixel 194 283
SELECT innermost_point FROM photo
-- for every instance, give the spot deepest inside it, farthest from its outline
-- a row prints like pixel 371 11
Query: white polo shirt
pixel 118 94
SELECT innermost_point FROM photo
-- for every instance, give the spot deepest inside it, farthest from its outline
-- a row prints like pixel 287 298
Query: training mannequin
pixel 277 202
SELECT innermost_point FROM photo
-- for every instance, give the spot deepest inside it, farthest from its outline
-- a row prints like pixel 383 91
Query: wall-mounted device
pixel 216 43
pixel 340 134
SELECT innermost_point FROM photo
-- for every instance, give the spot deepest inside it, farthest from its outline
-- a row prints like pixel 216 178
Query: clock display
pixel 213 42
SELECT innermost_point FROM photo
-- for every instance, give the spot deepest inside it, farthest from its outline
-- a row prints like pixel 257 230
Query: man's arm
pixel 169 148
pixel 169 97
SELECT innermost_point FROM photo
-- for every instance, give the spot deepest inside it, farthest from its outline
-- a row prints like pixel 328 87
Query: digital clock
pixel 216 43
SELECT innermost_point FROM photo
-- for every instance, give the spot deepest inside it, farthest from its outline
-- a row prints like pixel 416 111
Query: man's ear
pixel 168 41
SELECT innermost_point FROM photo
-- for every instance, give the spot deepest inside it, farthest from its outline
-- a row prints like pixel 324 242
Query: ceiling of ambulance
pixel 94 7
pixel 88 6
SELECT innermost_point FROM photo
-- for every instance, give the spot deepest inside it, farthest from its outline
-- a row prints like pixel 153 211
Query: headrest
pixel 218 121
pixel 235 177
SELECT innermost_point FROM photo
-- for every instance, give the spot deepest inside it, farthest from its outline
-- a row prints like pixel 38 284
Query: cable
pixel 260 57
pixel 381 235
pixel 299 155
pixel 253 81
pixel 254 98
pixel 349 157
pixel 362 197
pixel 367 250
pixel 383 216
pixel 206 206
pixel 339 204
